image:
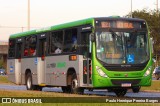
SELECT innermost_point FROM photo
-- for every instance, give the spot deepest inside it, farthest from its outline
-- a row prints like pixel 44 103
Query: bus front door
pixel 86 52
pixel 41 71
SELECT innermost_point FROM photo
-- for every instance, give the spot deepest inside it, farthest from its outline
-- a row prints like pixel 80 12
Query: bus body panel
pixel 18 71
pixel 29 64
pixel 41 75
pixel 11 70
pixel 14 71
pixel 57 68
pixel 81 71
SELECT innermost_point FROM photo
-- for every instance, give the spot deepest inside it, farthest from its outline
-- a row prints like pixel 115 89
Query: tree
pixel 153 20
pixel 1 63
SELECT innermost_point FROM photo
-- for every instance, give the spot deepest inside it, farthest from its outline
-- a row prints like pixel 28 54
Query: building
pixel 3 52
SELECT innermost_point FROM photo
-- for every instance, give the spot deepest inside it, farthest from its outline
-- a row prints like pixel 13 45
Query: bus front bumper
pixel 99 81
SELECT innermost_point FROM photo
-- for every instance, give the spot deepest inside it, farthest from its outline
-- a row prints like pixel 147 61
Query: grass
pixel 23 94
pixel 20 93
pixel 155 86
pixel 4 80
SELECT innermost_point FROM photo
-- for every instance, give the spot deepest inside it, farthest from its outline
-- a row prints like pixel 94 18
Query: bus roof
pixel 56 27
pixel 67 25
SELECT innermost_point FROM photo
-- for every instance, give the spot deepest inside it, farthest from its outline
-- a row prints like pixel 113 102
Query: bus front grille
pixel 120 82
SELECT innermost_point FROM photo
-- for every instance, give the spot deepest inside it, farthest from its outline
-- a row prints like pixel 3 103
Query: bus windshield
pixel 122 47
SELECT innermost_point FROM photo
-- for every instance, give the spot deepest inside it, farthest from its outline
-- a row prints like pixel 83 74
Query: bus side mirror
pixel 92 37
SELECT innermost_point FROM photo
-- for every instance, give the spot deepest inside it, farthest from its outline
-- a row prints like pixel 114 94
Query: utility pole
pixel 28 15
pixel 22 28
pixel 131 8
pixel 157 27
pixel 157 7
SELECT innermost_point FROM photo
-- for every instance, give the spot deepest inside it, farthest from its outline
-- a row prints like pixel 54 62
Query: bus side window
pixel 70 40
pixel 30 46
pixel 19 50
pixel 11 48
pixel 57 42
pixel 26 46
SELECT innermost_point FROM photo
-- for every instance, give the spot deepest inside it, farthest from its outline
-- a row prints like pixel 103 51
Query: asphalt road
pixel 94 92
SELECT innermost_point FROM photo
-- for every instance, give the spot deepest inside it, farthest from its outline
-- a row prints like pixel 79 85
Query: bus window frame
pixel 47 37
pixel 22 44
pixel 14 49
pixel 29 56
pixel 71 29
pixel 50 46
pixel 63 30
pixel 79 30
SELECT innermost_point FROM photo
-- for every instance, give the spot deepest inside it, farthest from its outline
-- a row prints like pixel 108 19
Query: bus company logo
pixel 6 100
pixel 11 69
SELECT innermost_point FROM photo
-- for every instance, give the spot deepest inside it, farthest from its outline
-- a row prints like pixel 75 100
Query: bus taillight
pixel 43 57
pixel 85 70
pixel 19 60
pixel 90 69
pixel 72 57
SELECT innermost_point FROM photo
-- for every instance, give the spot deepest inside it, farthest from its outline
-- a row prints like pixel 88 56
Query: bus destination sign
pixel 117 24
pixel 121 24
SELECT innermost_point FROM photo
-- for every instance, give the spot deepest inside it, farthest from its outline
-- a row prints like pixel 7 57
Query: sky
pixel 44 13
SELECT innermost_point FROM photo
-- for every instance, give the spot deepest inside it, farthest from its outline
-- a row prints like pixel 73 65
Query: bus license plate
pixel 126 84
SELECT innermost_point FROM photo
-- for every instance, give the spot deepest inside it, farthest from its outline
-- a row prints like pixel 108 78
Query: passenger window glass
pixel 57 42
pixel 85 43
pixel 70 40
pixel 19 50
pixel 30 46
pixel 12 48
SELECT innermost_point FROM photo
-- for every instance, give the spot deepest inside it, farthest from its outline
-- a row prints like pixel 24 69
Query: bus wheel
pixel 90 89
pixel 66 89
pixel 157 76
pixel 120 92
pixel 74 85
pixel 29 82
pixel 136 89
pixel 37 87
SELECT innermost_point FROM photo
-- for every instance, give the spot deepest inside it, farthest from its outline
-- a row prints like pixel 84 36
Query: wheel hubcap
pixel 29 83
pixel 74 83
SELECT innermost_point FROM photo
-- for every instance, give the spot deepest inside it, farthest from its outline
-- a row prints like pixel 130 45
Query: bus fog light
pixel 148 71
pixel 100 72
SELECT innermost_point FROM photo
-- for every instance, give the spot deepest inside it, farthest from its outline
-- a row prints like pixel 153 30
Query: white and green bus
pixel 111 53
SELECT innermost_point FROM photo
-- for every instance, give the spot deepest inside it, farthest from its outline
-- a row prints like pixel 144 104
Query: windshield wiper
pixel 110 30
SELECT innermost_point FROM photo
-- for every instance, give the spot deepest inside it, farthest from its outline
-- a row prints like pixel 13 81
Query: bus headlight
pixel 100 72
pixel 148 71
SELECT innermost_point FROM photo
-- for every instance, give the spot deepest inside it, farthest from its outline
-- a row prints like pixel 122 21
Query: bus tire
pixel 66 89
pixel 120 92
pixel 74 85
pixel 90 89
pixel 29 85
pixel 157 76
pixel 37 87
pixel 136 89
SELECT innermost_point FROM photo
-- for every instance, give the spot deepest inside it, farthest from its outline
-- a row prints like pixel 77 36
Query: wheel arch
pixel 26 72
pixel 70 72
